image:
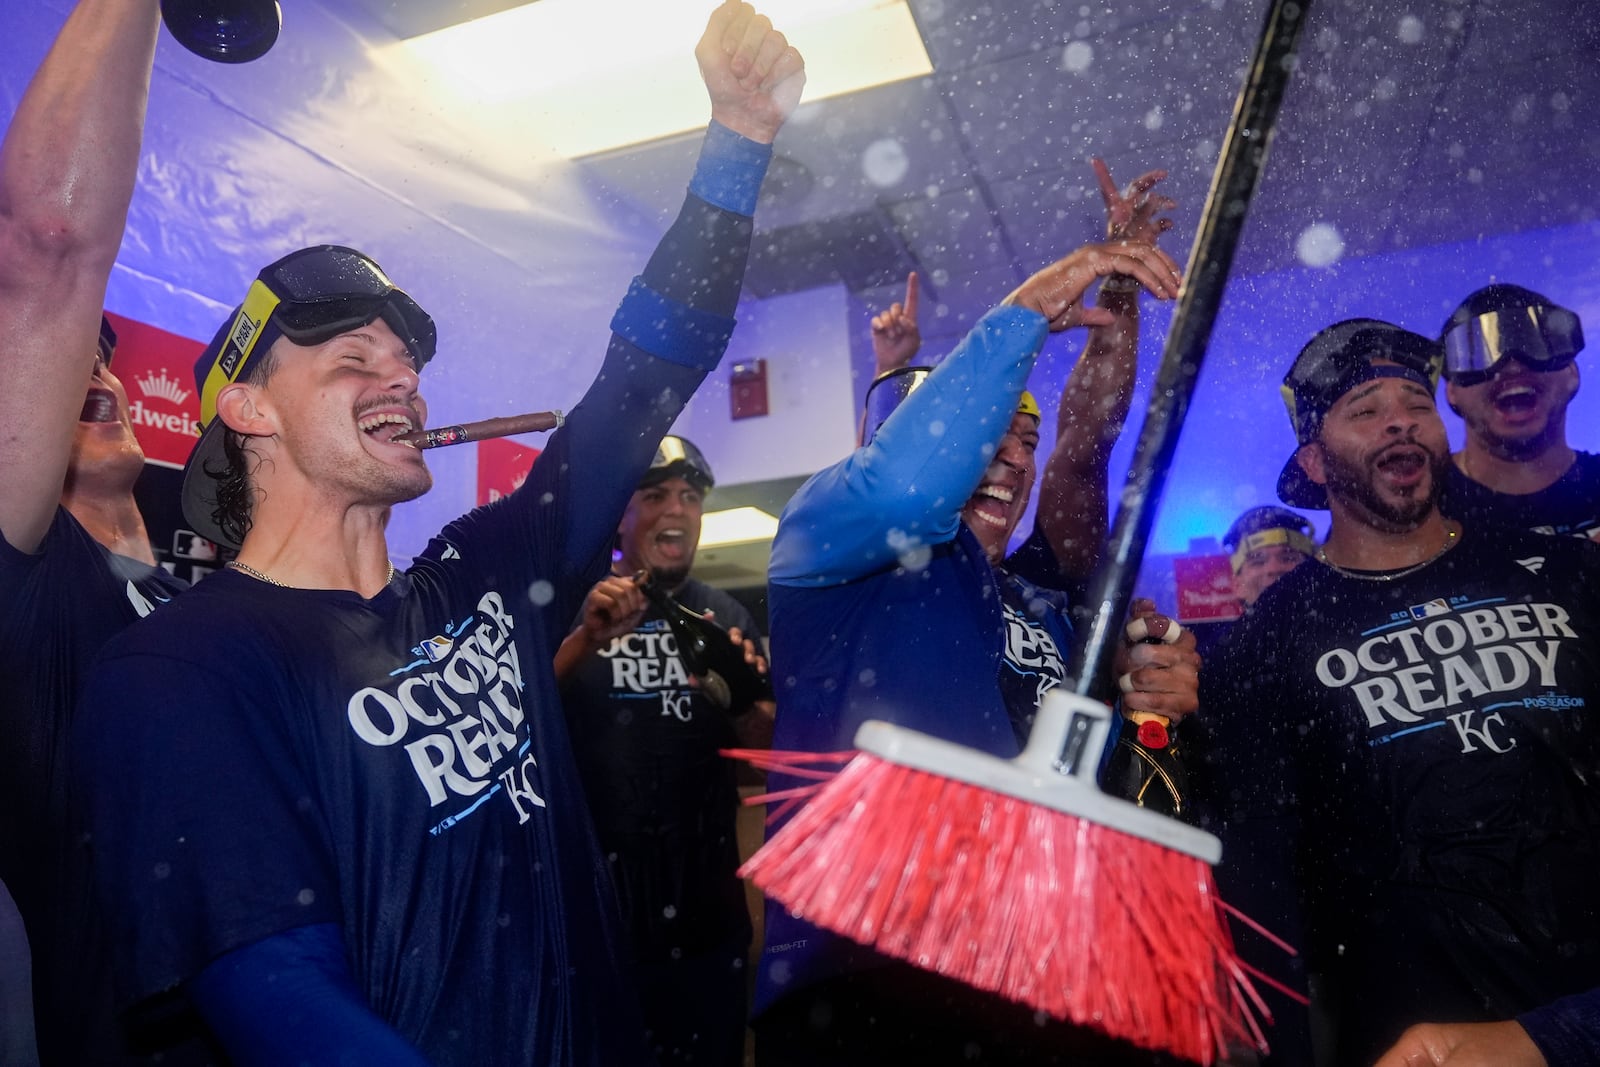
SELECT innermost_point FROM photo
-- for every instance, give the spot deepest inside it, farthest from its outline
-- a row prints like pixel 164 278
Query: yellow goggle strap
pixel 1263 538
pixel 238 347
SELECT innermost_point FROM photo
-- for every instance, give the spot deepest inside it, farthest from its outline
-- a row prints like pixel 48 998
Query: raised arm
pixel 1073 495
pixel 675 321
pixel 67 169
pixel 904 489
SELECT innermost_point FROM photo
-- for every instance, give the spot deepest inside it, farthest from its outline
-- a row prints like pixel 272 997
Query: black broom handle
pixel 1244 155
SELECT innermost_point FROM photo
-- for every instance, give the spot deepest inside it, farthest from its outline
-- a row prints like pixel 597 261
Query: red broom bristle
pixel 1082 922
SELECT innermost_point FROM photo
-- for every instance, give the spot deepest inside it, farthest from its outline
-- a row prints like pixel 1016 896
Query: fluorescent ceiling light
pixel 736 526
pixel 585 76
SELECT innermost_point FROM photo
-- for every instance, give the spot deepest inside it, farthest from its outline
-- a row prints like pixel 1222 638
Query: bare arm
pixel 1073 494
pixel 67 170
pixel 1502 1044
pixel 896 339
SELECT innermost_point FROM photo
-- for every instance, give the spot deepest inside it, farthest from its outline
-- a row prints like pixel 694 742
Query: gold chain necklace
pixel 262 576
pixel 1450 541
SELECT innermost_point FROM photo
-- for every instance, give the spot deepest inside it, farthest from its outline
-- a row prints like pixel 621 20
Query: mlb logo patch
pixel 1430 609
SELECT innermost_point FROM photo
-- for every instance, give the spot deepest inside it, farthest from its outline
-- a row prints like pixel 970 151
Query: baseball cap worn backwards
pixel 309 297
pixel 1335 361
pixel 1263 527
pixel 677 457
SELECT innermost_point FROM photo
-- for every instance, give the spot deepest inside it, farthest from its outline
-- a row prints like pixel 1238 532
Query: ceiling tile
pixel 1166 81
pixel 961 34
pixel 954 232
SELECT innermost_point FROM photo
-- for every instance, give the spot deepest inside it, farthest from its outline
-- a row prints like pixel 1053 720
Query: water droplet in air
pixel 1319 245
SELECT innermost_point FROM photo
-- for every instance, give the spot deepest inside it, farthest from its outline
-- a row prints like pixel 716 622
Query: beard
pixel 1354 483
pixel 669 578
pixel 1520 449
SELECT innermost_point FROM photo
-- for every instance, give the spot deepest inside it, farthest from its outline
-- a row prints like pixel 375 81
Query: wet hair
pixel 236 491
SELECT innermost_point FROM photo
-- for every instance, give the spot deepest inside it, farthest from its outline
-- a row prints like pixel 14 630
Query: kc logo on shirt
pixel 1446 666
pixel 646 661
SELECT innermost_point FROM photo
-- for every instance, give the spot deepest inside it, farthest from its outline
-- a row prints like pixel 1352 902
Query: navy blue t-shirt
pixel 399 766
pixel 1412 758
pixel 664 800
pixel 1568 506
pixel 62 604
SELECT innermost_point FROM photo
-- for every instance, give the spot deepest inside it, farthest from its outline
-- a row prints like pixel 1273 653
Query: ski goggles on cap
pixel 1541 337
pixel 311 296
pixel 679 458
pixel 1342 357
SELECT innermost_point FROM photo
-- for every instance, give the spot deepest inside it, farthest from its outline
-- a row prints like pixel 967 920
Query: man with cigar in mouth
pixel 1400 749
pixel 360 834
pixel 647 738
pixel 75 563
pixel 1510 372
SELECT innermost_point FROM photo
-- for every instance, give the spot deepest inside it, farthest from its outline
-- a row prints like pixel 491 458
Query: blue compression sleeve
pixel 289 999
pixel 1568 1030
pixel 681 306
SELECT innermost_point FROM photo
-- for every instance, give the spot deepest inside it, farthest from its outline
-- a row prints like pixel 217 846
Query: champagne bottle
pixel 1146 766
pixel 227 31
pixel 708 653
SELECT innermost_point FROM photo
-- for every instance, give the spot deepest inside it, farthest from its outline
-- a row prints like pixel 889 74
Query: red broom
pixel 1020 876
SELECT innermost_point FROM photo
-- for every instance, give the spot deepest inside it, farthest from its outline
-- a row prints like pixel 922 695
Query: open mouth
pixel 99 405
pixel 386 426
pixel 672 540
pixel 991 504
pixel 1516 400
pixel 1403 463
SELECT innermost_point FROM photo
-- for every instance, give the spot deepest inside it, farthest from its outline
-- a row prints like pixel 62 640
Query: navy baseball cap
pixel 1335 361
pixel 310 296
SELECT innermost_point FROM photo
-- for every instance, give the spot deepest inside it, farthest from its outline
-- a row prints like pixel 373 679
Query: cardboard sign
pixel 502 468
pixel 1205 589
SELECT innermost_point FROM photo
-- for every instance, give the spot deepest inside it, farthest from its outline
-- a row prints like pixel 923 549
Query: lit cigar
pixel 481 431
